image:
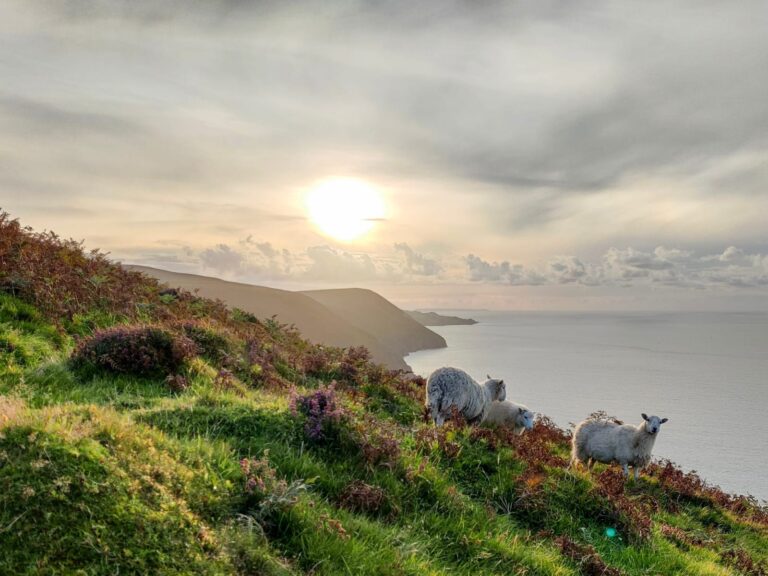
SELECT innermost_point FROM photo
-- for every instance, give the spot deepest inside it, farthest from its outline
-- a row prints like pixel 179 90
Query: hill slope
pixel 228 445
pixel 315 321
pixel 376 315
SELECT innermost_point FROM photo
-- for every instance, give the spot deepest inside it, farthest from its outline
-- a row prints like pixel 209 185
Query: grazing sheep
pixel 608 442
pixel 449 388
pixel 509 414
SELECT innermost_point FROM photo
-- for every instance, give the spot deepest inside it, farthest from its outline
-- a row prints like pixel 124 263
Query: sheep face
pixel 653 423
pixel 525 419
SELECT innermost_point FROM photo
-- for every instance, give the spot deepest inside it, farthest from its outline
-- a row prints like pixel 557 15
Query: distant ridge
pixel 376 315
pixel 435 319
pixel 373 322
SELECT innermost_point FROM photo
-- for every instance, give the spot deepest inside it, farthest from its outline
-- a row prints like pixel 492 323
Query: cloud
pixel 503 272
pixel 631 267
pixel 483 271
pixel 222 259
pixel 568 270
pixel 332 265
pixel 416 263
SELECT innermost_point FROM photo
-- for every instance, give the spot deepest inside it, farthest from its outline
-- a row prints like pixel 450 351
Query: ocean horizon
pixel 705 371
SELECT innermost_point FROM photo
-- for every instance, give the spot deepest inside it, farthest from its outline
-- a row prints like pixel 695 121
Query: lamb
pixel 609 442
pixel 509 414
pixel 449 388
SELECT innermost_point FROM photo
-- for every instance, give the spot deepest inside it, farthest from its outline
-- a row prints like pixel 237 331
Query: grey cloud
pixel 222 259
pixel 629 267
pixel 332 265
pixel 631 260
pixel 27 115
pixel 483 271
pixel 502 272
pixel 416 263
pixel 568 270
pixel 730 254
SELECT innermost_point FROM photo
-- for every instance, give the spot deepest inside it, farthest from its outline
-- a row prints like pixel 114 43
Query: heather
pixel 148 431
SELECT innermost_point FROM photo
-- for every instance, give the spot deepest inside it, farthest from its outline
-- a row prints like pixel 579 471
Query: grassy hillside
pixel 147 432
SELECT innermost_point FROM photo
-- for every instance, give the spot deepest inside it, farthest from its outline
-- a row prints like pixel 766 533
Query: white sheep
pixel 609 442
pixel 509 414
pixel 449 388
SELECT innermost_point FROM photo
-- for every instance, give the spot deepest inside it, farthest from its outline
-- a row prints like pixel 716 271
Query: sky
pixel 528 155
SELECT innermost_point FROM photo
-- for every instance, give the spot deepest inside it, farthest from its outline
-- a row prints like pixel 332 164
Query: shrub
pixel 361 497
pixel 147 351
pixel 265 492
pixel 378 443
pixel 586 557
pixel 632 514
pixel 354 361
pixel 317 362
pixel 742 561
pixel 320 409
pixel 213 345
pixel 689 486
pixel 239 315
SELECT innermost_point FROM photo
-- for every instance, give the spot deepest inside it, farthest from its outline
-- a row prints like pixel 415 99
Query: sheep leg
pixel 625 469
pixel 636 470
pixel 439 420
pixel 590 464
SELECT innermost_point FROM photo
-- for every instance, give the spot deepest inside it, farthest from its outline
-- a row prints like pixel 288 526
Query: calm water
pixel 706 372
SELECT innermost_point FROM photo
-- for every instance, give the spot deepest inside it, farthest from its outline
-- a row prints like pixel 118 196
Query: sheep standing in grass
pixel 449 388
pixel 511 415
pixel 609 442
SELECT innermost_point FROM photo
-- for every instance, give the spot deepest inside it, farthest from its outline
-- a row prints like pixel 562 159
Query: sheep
pixel 609 442
pixel 449 388
pixel 509 414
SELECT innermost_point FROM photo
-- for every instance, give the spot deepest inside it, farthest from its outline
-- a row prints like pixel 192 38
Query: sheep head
pixel 653 423
pixel 525 419
pixel 497 389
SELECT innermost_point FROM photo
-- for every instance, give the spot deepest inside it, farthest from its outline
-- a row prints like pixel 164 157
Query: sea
pixel 705 371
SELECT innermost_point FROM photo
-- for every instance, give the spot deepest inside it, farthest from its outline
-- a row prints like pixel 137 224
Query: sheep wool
pixel 609 442
pixel 511 415
pixel 449 388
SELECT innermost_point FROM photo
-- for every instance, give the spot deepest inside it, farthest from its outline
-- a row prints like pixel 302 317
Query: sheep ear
pixel 501 383
pixel 488 377
pixel 644 417
pixel 664 420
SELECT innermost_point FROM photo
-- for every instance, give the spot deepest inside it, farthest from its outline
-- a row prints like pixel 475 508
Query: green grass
pixel 118 474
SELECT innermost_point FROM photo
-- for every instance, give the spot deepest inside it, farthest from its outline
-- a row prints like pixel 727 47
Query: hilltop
pixel 144 431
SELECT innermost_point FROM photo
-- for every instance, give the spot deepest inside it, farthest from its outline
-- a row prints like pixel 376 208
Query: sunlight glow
pixel 344 209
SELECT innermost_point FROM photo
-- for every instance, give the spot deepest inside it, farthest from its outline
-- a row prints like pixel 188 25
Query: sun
pixel 344 208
